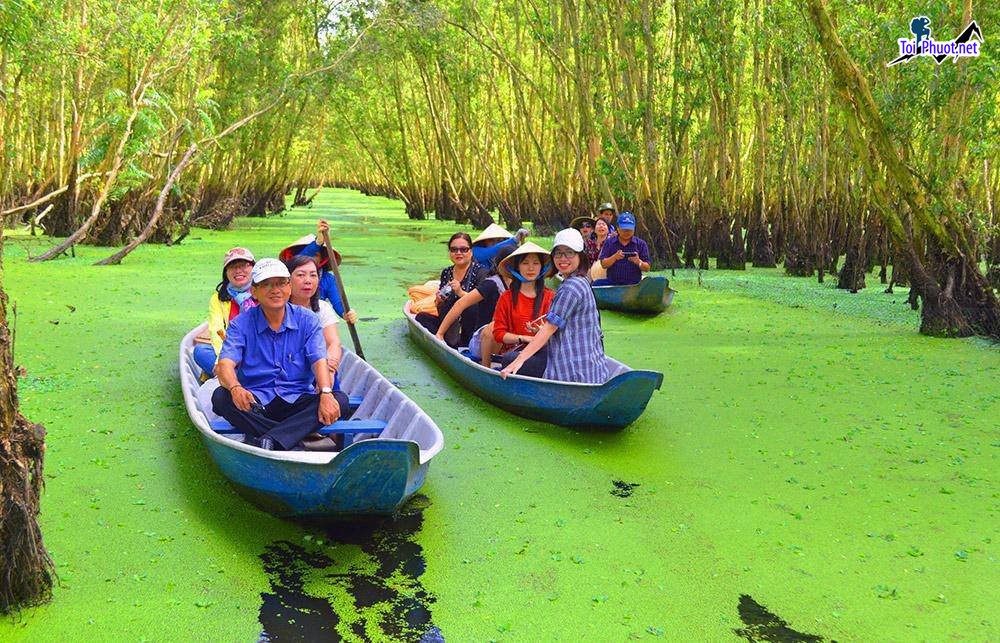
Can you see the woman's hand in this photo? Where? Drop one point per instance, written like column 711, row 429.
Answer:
column 333, row 362
column 439, row 335
column 512, row 368
column 351, row 317
column 456, row 287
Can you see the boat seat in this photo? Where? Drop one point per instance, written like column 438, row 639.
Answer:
column 346, row 427
column 353, row 427
column 225, row 428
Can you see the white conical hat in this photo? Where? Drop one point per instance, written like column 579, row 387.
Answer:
column 492, row 231
column 528, row 248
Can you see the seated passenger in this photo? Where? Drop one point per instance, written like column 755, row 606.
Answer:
column 312, row 245
column 572, row 328
column 606, row 213
column 601, row 234
column 486, row 295
column 489, row 242
column 231, row 297
column 625, row 257
column 274, row 380
column 586, row 227
column 457, row 281
column 305, row 292
column 520, row 310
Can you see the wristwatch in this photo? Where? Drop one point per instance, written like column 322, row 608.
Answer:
column 326, row 389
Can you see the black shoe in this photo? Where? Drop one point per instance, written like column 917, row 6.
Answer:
column 261, row 443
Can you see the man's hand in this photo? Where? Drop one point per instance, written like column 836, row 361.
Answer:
column 333, row 363
column 322, row 228
column 618, row 256
column 329, row 410
column 636, row 260
column 351, row 317
column 242, row 398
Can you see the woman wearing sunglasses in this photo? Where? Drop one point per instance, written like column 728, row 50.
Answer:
column 457, row 280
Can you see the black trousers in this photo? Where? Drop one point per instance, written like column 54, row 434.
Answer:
column 534, row 366
column 284, row 423
column 460, row 333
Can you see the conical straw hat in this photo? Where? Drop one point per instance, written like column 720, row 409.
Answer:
column 492, row 231
column 527, row 249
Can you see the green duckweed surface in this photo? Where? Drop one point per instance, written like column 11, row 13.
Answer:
column 809, row 452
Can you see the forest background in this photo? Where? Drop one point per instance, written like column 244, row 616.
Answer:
column 731, row 129
column 759, row 132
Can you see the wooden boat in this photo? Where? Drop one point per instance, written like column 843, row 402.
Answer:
column 369, row 477
column 606, row 407
column 651, row 295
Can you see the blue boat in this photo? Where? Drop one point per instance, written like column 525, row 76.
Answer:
column 603, row 407
column 390, row 444
column 651, row 295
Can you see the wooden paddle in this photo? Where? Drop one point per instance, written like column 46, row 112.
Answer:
column 343, row 293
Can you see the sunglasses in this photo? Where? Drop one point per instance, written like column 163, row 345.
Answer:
column 461, row 250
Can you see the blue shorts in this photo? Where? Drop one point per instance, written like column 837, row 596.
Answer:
column 475, row 343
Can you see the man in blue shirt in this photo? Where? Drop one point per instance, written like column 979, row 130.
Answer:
column 274, row 383
column 625, row 257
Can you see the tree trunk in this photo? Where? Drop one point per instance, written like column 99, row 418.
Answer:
column 26, row 571
column 957, row 300
column 852, row 275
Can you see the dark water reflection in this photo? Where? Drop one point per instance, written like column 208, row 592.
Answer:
column 761, row 624
column 329, row 590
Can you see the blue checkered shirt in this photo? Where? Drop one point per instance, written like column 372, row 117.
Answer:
column 576, row 351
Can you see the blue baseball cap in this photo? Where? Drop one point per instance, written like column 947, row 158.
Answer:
column 626, row 221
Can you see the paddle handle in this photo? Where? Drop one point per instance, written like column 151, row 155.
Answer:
column 343, row 294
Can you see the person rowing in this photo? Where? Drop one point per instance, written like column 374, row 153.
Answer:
column 312, row 245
